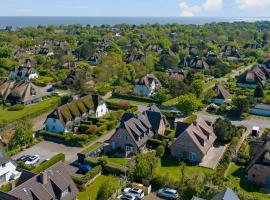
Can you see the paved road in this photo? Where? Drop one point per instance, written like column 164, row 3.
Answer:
column 247, row 123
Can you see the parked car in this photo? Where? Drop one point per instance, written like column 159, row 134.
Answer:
column 84, row 168
column 32, row 160
column 138, row 193
column 126, row 197
column 23, row 158
column 168, row 193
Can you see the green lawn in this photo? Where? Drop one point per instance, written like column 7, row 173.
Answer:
column 121, row 161
column 170, row 166
column 10, row 116
column 171, row 102
column 91, row 191
column 236, row 178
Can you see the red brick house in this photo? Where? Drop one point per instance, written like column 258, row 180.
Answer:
column 192, row 141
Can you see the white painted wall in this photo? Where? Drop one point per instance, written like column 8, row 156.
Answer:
column 101, row 110
column 9, row 171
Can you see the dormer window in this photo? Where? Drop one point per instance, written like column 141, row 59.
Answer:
column 65, row 191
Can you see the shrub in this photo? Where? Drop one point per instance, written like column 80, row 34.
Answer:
column 113, row 168
column 92, row 129
column 49, row 163
column 102, row 129
column 84, row 128
column 22, row 165
column 16, row 107
column 154, row 142
column 160, row 150
column 81, row 181
column 53, row 135
column 91, row 161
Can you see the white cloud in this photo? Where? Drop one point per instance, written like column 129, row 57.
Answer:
column 252, row 4
column 209, row 5
column 188, row 11
column 23, row 10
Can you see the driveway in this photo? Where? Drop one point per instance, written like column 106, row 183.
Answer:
column 212, row 158
column 47, row 149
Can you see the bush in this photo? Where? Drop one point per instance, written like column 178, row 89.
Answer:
column 81, row 181
column 84, row 128
column 113, row 168
column 91, row 161
column 53, row 135
column 154, row 142
column 49, row 163
column 22, row 165
column 16, row 107
column 92, row 129
column 160, row 150
column 102, row 129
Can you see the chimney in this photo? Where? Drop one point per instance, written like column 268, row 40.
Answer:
column 13, row 185
column 44, row 177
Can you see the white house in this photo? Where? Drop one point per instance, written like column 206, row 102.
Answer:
column 63, row 118
column 147, row 85
column 7, row 169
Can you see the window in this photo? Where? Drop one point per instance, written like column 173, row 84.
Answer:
column 53, row 128
column 54, row 120
column 65, row 192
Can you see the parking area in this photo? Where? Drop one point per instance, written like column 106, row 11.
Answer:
column 152, row 196
column 47, row 149
column 213, row 157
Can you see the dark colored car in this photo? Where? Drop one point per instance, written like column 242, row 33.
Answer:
column 84, row 168
column 23, row 158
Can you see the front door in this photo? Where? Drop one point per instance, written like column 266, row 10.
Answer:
column 268, row 182
column 192, row 156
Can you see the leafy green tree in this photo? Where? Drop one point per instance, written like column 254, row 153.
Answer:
column 145, row 165
column 6, row 52
column 187, row 104
column 160, row 150
column 108, row 188
column 258, row 92
column 23, row 136
column 224, row 130
column 161, row 96
column 240, row 106
column 197, row 87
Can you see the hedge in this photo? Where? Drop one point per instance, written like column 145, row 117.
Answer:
column 82, row 181
column 91, row 161
column 113, row 168
column 49, row 163
column 54, row 135
column 154, row 142
column 134, row 98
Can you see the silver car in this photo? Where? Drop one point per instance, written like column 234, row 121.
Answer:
column 168, row 193
column 138, row 193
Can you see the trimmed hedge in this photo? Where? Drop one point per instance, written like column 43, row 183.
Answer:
column 154, row 142
column 92, row 161
column 113, row 168
column 44, row 133
column 134, row 98
column 49, row 163
column 82, row 181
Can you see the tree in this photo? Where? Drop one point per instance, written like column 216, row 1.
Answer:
column 6, row 52
column 210, row 94
column 197, row 87
column 224, row 130
column 22, row 136
column 178, row 88
column 145, row 165
column 161, row 96
column 240, row 106
column 187, row 104
column 108, row 188
column 258, row 92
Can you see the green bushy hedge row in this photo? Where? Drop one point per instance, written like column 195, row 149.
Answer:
column 82, row 181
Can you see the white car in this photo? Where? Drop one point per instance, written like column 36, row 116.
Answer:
column 138, row 193
column 126, row 197
column 32, row 160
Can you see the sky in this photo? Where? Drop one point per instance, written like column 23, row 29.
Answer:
column 136, row 8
